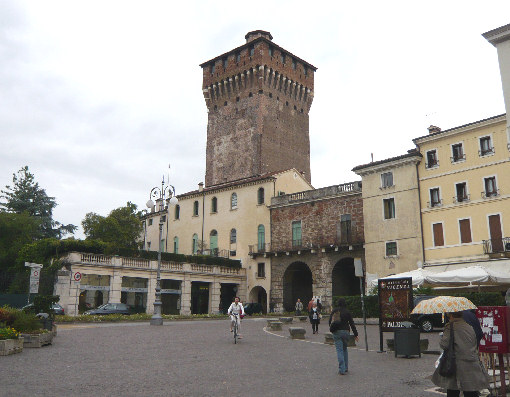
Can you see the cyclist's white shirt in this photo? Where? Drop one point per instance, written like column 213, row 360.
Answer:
column 236, row 309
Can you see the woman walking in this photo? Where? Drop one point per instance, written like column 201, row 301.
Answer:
column 470, row 375
column 314, row 316
column 340, row 321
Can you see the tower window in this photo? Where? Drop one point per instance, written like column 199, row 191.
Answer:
column 233, row 201
column 389, row 208
column 286, row 103
column 238, row 57
column 250, row 94
column 270, row 95
column 270, row 51
column 293, row 64
column 177, row 212
column 214, row 205
column 295, row 107
column 225, row 103
column 233, row 236
column 237, row 99
column 225, row 63
column 391, row 248
column 252, row 50
column 260, row 196
column 195, row 208
column 282, row 58
column 305, row 70
column 213, row 68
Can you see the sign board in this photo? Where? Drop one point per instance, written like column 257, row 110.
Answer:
column 35, row 273
column 495, row 323
column 358, row 267
column 77, row 276
column 395, row 302
column 84, row 287
column 133, row 289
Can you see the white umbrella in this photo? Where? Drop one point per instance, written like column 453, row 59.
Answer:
column 472, row 274
column 417, row 275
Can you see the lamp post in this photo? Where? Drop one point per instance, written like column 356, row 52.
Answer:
column 160, row 195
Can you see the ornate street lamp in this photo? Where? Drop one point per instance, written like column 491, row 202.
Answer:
column 166, row 191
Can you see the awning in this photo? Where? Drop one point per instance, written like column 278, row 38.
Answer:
column 417, row 275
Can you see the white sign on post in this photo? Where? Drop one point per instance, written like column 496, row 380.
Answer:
column 358, row 267
column 35, row 273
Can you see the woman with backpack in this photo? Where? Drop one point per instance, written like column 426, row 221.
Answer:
column 340, row 321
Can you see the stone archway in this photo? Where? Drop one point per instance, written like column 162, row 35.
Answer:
column 258, row 294
column 297, row 283
column 344, row 281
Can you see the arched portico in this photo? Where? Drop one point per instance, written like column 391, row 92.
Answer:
column 297, row 283
column 258, row 294
column 344, row 281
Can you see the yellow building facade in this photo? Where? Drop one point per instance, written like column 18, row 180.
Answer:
column 464, row 182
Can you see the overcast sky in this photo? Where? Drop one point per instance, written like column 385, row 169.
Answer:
column 98, row 97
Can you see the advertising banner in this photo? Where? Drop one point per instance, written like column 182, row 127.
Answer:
column 395, row 302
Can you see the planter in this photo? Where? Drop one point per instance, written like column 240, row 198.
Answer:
column 37, row 340
column 11, row 346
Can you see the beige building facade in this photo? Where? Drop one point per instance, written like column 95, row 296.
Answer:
column 464, row 187
column 225, row 220
column 391, row 213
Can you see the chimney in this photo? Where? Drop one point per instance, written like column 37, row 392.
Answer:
column 250, row 36
column 201, row 186
column 433, row 129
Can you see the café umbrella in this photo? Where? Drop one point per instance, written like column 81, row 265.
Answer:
column 443, row 304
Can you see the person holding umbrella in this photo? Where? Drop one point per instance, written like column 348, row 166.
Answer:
column 470, row 375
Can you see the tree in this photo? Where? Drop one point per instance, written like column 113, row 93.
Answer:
column 26, row 196
column 121, row 228
column 16, row 230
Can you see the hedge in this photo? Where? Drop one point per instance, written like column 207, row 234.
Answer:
column 372, row 302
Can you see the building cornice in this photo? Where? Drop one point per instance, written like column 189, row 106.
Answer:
column 388, row 164
column 497, row 35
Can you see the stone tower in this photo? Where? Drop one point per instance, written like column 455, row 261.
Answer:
column 258, row 97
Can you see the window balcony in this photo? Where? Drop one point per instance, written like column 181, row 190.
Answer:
column 432, row 164
column 486, row 152
column 461, row 199
column 490, row 193
column 456, row 159
column 433, row 204
column 497, row 246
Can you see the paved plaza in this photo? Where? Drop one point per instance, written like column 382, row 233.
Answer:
column 199, row 358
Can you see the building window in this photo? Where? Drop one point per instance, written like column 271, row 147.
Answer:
column 238, row 57
column 431, row 159
column 261, row 270
column 437, row 230
column 214, row 205
column 389, row 208
column 162, row 245
column 435, row 199
column 233, row 236
column 213, row 242
column 391, row 248
column 194, row 244
column 387, row 179
column 457, row 153
column 225, row 62
column 233, row 201
column 260, row 196
column 149, row 245
column 465, row 231
column 282, row 58
column 345, row 228
column 461, row 192
column 491, row 189
column 177, row 213
column 195, row 208
column 305, row 70
column 150, row 222
column 293, row 64
column 213, row 68
column 252, row 50
column 270, row 51
column 486, row 146
column 176, row 245
column 261, row 237
column 296, row 234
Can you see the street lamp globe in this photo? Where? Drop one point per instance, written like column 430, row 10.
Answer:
column 173, row 200
column 149, row 204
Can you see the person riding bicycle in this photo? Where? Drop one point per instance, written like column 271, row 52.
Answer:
column 236, row 308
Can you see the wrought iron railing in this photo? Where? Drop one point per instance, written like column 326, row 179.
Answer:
column 461, row 199
column 490, row 193
column 496, row 245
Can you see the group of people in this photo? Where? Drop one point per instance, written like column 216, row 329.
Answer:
column 314, row 312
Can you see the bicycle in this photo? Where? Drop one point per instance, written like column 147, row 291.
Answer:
column 235, row 327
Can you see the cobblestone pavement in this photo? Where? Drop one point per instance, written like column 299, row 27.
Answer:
column 199, row 358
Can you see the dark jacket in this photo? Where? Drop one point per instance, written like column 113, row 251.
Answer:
column 310, row 315
column 345, row 322
column 469, row 317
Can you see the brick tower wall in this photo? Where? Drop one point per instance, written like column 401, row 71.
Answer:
column 258, row 111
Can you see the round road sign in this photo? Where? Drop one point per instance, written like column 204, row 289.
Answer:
column 77, row 276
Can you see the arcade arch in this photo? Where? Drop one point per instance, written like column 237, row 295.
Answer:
column 344, row 281
column 297, row 283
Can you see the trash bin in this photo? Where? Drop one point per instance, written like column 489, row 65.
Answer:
column 407, row 342
column 45, row 320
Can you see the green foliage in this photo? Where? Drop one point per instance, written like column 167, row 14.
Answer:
column 16, row 230
column 7, row 316
column 423, row 291
column 8, row 333
column 26, row 322
column 483, row 298
column 26, row 196
column 121, row 228
column 354, row 305
column 43, row 304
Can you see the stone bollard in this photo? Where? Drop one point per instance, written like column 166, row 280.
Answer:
column 276, row 326
column 297, row 333
column 286, row 320
column 328, row 338
column 303, row 319
column 271, row 320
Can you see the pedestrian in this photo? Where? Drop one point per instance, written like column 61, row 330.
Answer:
column 340, row 321
column 319, row 304
column 469, row 317
column 310, row 304
column 470, row 375
column 299, row 307
column 315, row 318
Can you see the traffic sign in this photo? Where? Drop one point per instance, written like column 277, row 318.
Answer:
column 77, row 276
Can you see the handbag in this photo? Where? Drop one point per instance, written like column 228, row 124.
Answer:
column 447, row 366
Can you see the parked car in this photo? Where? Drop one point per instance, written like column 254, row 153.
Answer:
column 254, row 307
column 426, row 322
column 110, row 308
column 56, row 308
